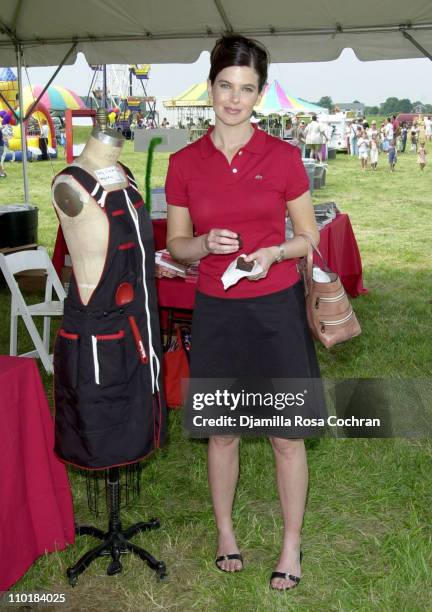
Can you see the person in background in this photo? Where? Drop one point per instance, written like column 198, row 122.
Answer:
column 140, row 120
column 428, row 128
column 314, row 138
column 414, row 136
column 43, row 139
column 62, row 141
column 372, row 132
column 404, row 136
column 165, row 123
column 392, row 154
column 7, row 135
column 388, row 130
column 288, row 132
column 353, row 138
column 383, row 139
column 421, row 136
column 421, row 156
column 132, row 126
column 347, row 136
column 396, row 126
column 374, row 152
column 363, row 148
column 301, row 138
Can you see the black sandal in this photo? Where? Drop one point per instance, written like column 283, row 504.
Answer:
column 237, row 556
column 285, row 576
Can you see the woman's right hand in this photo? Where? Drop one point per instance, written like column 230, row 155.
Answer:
column 221, row 242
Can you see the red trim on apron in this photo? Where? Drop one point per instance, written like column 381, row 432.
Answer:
column 67, row 335
column 126, row 245
column 116, row 336
column 138, row 340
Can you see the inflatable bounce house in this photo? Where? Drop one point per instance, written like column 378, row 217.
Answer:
column 9, row 89
column 55, row 98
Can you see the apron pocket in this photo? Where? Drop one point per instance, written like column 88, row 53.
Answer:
column 109, row 359
column 67, row 358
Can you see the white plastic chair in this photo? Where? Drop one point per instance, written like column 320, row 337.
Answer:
column 33, row 260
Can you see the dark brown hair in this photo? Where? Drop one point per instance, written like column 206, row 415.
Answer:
column 237, row 50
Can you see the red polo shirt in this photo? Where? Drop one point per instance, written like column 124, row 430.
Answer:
column 247, row 196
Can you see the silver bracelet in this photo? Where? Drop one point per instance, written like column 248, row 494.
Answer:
column 281, row 255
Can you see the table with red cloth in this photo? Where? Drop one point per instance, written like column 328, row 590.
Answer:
column 36, row 510
column 338, row 246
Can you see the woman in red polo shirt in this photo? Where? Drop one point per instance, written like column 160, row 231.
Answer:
column 228, row 193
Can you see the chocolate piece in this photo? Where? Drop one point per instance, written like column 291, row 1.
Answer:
column 246, row 266
column 240, row 241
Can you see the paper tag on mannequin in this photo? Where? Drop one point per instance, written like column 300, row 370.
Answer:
column 109, row 176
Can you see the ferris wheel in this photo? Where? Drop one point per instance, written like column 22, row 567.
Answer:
column 126, row 86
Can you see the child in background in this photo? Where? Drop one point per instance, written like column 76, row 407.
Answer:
column 7, row 135
column 374, row 151
column 421, row 156
column 392, row 154
column 363, row 149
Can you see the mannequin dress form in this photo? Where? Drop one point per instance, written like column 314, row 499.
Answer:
column 109, row 405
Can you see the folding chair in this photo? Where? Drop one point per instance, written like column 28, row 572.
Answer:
column 32, row 260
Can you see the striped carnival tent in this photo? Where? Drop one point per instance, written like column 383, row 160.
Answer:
column 276, row 100
column 55, row 98
column 194, row 96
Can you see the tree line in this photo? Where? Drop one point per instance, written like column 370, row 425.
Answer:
column 391, row 106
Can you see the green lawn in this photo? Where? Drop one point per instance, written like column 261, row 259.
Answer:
column 366, row 536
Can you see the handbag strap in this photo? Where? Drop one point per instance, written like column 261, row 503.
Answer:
column 308, row 262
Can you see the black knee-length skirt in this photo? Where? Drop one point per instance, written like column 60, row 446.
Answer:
column 266, row 336
column 264, row 347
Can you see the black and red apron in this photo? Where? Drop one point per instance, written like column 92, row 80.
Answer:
column 109, row 404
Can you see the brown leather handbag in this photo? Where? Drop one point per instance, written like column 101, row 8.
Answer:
column 330, row 315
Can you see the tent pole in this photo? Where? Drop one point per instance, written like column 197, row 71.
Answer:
column 18, row 50
column 104, row 87
column 416, row 44
column 36, row 102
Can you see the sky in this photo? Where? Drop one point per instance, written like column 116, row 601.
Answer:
column 344, row 80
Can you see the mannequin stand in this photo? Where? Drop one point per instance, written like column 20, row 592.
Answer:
column 115, row 541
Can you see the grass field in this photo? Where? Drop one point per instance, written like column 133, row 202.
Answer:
column 366, row 535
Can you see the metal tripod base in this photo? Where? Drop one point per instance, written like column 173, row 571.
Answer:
column 115, row 542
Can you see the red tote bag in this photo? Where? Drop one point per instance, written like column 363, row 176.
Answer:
column 176, row 367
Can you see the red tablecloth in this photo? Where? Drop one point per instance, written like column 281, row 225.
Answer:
column 337, row 245
column 36, row 511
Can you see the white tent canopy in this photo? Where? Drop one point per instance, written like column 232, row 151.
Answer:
column 158, row 31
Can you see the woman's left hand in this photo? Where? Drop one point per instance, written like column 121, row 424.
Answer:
column 265, row 257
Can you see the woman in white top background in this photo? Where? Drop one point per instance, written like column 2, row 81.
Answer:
column 374, row 151
column 363, row 149
column 314, row 138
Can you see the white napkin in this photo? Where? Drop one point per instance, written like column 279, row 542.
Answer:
column 232, row 275
column 320, row 276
